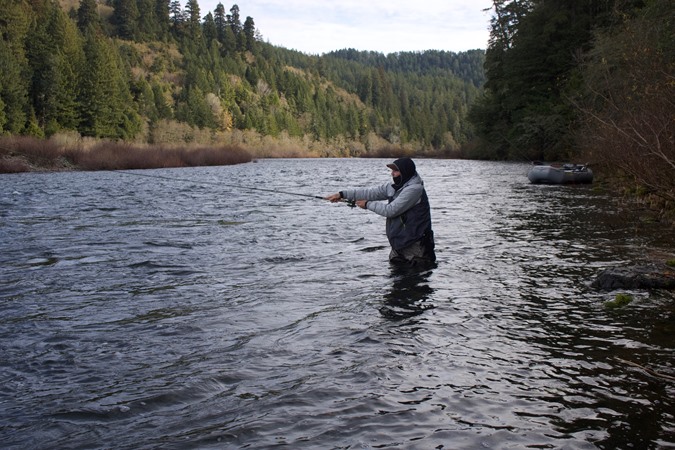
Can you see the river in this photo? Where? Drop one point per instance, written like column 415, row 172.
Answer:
column 171, row 309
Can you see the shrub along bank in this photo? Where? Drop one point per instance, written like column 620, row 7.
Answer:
column 25, row 154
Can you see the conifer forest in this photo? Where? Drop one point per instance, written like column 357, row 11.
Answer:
column 591, row 79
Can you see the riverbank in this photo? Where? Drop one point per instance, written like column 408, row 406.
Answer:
column 651, row 206
column 70, row 152
column 26, row 154
column 64, row 153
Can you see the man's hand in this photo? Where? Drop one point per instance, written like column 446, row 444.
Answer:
column 333, row 198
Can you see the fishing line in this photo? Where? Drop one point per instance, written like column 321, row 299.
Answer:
column 275, row 191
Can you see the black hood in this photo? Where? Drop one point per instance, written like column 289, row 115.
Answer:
column 407, row 168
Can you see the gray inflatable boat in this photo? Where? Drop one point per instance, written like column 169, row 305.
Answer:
column 562, row 174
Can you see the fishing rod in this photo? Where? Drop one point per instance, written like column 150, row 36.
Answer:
column 351, row 203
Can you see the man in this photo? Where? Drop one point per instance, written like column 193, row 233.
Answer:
column 407, row 212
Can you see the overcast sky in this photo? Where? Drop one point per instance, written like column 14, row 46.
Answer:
column 387, row 26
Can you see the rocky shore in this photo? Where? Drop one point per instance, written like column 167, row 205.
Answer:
column 643, row 276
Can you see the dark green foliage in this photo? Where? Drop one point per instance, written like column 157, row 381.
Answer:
column 125, row 18
column 249, row 35
column 176, row 18
column 106, row 106
column 619, row 301
column 148, row 25
column 155, row 61
column 15, row 21
column 220, row 21
column 467, row 66
column 163, row 109
column 209, row 28
column 414, row 96
column 87, row 15
column 13, row 90
column 161, row 20
column 532, row 67
column 193, row 20
column 55, row 54
column 233, row 20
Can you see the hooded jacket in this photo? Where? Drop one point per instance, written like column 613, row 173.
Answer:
column 407, row 210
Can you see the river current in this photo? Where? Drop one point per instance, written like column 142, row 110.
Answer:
column 170, row 309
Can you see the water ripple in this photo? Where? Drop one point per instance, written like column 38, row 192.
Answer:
column 140, row 314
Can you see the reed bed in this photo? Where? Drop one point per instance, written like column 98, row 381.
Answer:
column 24, row 154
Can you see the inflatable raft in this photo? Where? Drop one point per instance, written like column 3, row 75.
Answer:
column 563, row 174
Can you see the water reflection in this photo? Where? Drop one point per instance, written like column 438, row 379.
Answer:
column 409, row 294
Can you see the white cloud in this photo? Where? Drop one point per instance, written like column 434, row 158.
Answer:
column 380, row 25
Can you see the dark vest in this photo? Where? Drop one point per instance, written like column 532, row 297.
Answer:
column 410, row 226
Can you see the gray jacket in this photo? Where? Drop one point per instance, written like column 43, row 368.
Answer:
column 407, row 211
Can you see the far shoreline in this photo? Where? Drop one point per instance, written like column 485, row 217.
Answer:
column 19, row 154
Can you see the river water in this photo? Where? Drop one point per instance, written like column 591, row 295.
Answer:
column 169, row 309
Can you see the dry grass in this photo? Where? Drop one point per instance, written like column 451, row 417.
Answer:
column 23, row 154
column 196, row 147
column 113, row 155
column 9, row 165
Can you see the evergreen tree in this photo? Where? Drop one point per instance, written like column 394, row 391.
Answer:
column 125, row 18
column 193, row 19
column 249, row 35
column 234, row 21
column 55, row 79
column 144, row 96
column 148, row 25
column 194, row 109
column 87, row 15
column 14, row 70
column 3, row 115
column 107, row 109
column 220, row 20
column 529, row 60
column 229, row 42
column 13, row 91
column 177, row 18
column 209, row 29
column 54, row 51
column 161, row 104
column 62, row 106
column 162, row 18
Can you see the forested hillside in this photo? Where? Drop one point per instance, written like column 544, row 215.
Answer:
column 584, row 80
column 152, row 71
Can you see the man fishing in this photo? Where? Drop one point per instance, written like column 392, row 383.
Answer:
column 407, row 212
